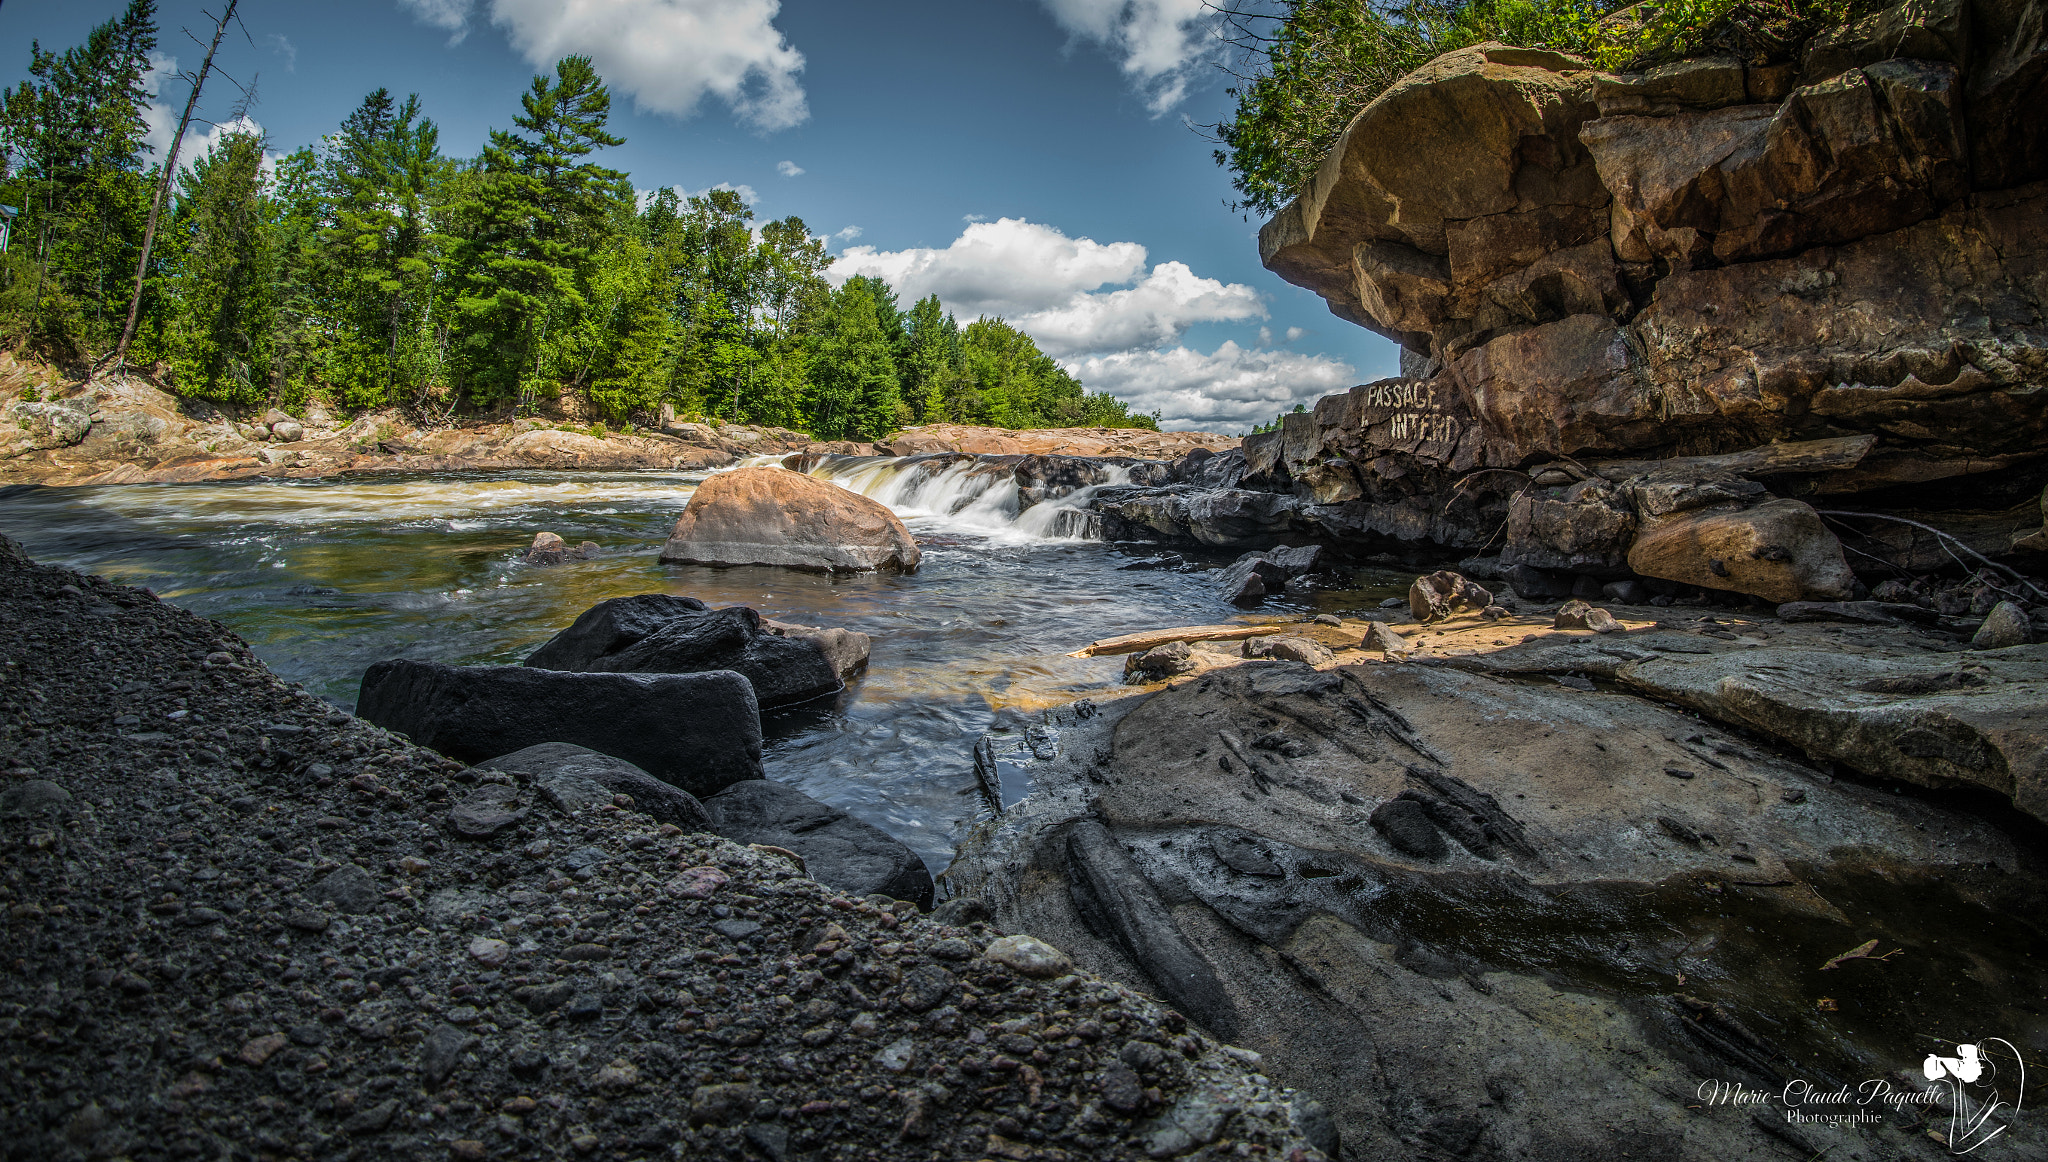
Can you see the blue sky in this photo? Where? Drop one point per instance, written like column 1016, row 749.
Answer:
column 1028, row 158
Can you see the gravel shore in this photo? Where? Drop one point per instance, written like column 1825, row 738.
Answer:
column 241, row 924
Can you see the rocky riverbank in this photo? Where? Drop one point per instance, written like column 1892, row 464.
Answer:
column 1498, row 889
column 128, row 430
column 243, row 924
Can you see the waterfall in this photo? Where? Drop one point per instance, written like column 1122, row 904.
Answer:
column 1011, row 499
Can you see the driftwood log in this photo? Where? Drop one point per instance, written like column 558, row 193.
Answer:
column 1131, row 643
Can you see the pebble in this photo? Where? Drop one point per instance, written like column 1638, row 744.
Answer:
column 489, row 952
column 1028, row 956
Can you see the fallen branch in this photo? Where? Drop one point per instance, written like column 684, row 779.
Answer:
column 1131, row 643
column 1946, row 538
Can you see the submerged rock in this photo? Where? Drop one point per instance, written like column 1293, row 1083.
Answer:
column 772, row 516
column 700, row 732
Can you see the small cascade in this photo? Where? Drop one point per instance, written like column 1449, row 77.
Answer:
column 1013, row 499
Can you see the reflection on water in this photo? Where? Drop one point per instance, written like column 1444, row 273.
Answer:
column 325, row 577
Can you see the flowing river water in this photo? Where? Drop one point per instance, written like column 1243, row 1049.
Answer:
column 325, row 577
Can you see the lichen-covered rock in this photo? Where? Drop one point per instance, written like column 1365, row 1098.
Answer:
column 58, row 424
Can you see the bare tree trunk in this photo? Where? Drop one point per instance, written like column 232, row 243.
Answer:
column 163, row 186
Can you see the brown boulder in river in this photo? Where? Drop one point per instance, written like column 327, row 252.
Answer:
column 772, row 516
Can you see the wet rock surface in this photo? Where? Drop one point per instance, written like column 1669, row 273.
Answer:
column 700, row 732
column 1453, row 905
column 654, row 633
column 250, row 930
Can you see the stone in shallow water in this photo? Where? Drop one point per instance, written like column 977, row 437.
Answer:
column 772, row 516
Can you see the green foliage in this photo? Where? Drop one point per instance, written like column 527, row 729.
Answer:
column 529, row 233
column 71, row 159
column 374, row 270
column 1262, row 429
column 1307, row 67
column 223, row 299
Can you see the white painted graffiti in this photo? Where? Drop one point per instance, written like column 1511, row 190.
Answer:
column 1401, row 393
column 1403, row 427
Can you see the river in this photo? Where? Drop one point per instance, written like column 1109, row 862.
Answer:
column 325, row 577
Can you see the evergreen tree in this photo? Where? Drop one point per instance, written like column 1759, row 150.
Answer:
column 223, row 308
column 384, row 169
column 930, row 367
column 531, row 229
column 71, row 146
column 854, row 394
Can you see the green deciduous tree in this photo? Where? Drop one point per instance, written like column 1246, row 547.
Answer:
column 529, row 233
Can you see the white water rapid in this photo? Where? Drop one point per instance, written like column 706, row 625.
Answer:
column 979, row 496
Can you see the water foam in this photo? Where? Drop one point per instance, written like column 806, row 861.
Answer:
column 979, row 496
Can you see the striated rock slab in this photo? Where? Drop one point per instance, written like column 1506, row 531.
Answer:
column 1972, row 720
column 1451, row 905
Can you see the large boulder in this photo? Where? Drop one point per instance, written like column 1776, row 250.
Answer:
column 700, row 732
column 58, row 424
column 1584, row 528
column 784, row 670
column 1778, row 550
column 772, row 516
column 838, row 850
column 610, row 626
column 551, row 763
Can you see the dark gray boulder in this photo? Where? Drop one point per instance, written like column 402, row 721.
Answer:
column 838, row 850
column 610, row 626
column 650, row 795
column 700, row 732
column 666, row 636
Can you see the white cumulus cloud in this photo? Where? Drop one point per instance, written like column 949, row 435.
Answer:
column 1112, row 318
column 450, row 16
column 1163, row 44
column 667, row 54
column 789, row 169
column 167, row 92
column 849, row 234
column 1227, row 390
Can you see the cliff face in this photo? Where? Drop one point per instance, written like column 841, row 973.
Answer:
column 1703, row 259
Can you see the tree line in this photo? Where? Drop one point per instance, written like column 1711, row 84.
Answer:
column 374, row 269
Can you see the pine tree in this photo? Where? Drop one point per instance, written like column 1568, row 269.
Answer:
column 531, row 227
column 223, row 306
column 930, row 367
column 385, row 168
column 71, row 146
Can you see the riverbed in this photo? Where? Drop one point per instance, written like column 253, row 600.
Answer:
column 325, row 577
